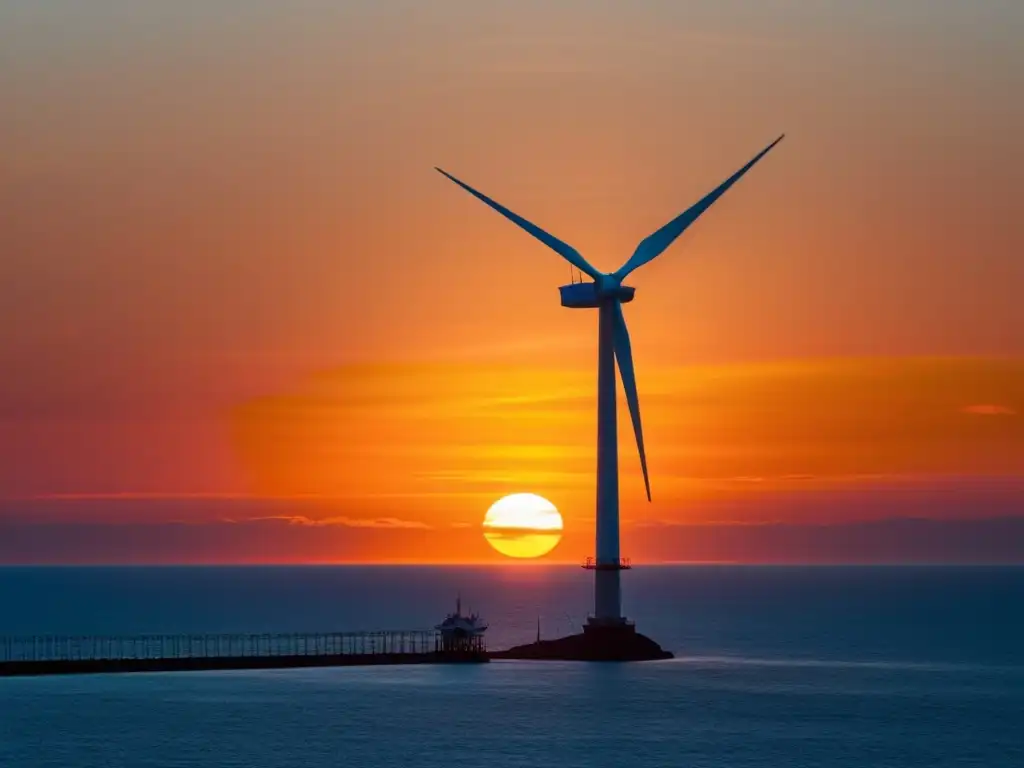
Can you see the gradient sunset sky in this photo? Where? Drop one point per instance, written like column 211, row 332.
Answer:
column 245, row 320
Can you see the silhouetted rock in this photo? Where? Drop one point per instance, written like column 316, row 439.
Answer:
column 619, row 642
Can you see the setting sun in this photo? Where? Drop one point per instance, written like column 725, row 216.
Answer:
column 523, row 525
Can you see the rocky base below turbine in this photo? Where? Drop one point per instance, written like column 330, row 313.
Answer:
column 614, row 642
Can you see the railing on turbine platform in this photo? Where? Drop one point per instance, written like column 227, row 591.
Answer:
column 622, row 564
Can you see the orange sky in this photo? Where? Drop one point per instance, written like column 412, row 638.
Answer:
column 228, row 267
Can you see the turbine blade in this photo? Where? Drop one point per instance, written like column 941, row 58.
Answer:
column 565, row 250
column 655, row 244
column 624, row 357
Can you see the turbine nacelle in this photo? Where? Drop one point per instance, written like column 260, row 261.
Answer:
column 591, row 295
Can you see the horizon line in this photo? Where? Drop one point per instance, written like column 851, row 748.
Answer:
column 524, row 563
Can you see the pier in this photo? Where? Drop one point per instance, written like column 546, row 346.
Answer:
column 54, row 655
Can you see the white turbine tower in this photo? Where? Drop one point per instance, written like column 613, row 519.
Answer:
column 607, row 294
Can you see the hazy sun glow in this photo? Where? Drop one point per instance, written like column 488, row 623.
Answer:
column 523, row 525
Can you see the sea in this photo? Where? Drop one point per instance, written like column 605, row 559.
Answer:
column 776, row 667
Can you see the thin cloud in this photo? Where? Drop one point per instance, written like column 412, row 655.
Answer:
column 165, row 496
column 710, row 523
column 989, row 410
column 790, row 477
column 520, row 534
column 343, row 522
column 229, row 496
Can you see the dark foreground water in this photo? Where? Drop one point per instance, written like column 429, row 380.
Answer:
column 777, row 667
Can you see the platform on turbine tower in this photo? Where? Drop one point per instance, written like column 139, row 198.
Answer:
column 621, row 564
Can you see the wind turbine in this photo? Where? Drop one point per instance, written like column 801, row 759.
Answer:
column 607, row 294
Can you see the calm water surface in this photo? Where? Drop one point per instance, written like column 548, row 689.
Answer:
column 777, row 667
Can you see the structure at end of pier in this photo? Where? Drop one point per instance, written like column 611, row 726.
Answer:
column 462, row 634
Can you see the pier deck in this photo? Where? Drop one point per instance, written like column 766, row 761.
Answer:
column 54, row 655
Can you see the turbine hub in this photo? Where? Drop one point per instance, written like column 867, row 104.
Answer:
column 607, row 286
